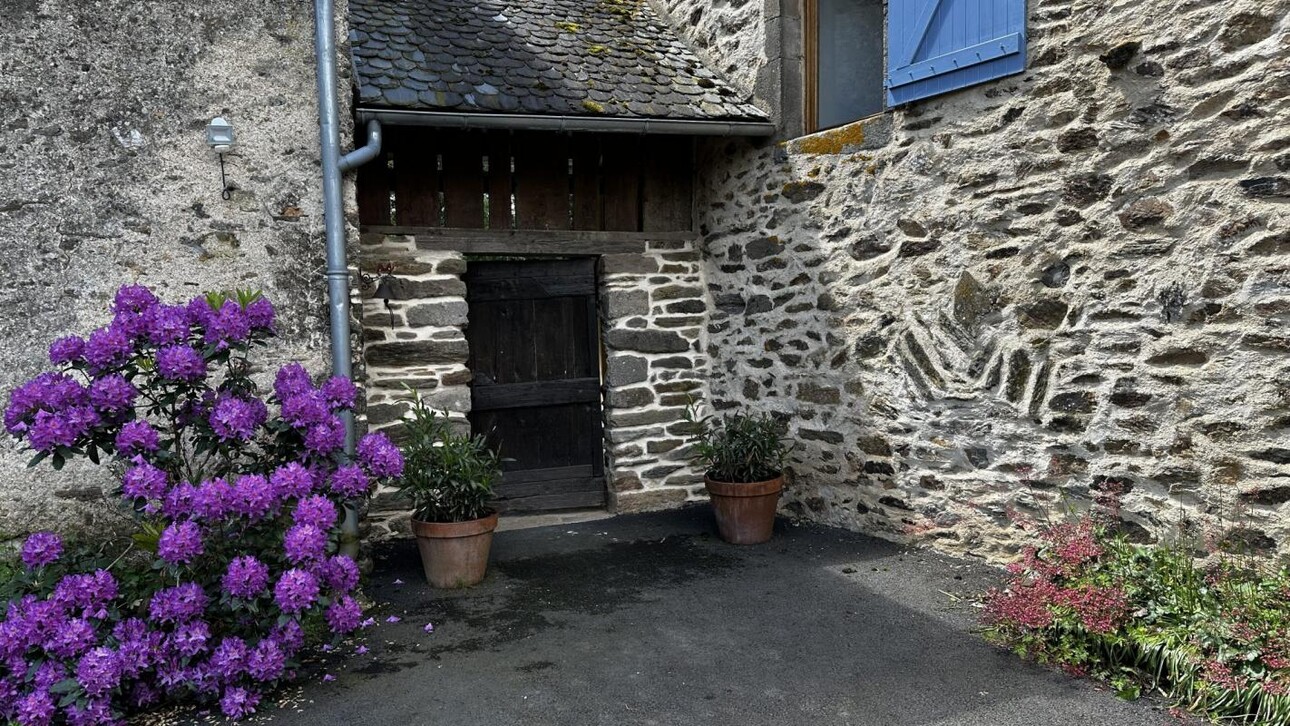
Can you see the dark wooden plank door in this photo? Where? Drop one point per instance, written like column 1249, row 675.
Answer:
column 534, row 353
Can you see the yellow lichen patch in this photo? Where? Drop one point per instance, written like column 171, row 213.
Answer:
column 624, row 9
column 814, row 172
column 597, row 49
column 833, row 141
column 592, row 106
column 568, row 26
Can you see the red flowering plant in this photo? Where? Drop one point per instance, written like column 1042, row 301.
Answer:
column 237, row 495
column 1150, row 618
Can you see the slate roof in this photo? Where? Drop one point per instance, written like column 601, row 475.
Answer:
column 613, row 58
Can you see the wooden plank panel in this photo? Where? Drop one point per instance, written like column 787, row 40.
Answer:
column 668, row 196
column 541, row 181
column 548, row 481
column 537, row 393
column 523, row 242
column 416, row 178
column 595, row 353
column 620, row 174
column 500, row 181
column 545, row 475
column 556, row 356
column 464, row 182
column 570, row 500
column 530, row 288
column 541, row 418
column 481, row 337
column 532, row 270
column 373, row 189
column 511, row 490
column 588, row 211
column 515, row 341
column 558, row 444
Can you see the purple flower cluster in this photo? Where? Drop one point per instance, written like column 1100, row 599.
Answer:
column 296, row 590
column 112, row 394
column 166, row 392
column 380, row 456
column 144, row 481
column 316, row 511
column 246, row 577
column 344, row 615
column 40, row 549
column 304, row 543
column 178, row 604
column 137, row 437
column 180, row 543
column 108, row 348
column 181, row 363
column 50, row 411
column 350, row 481
column 293, row 480
column 237, row 418
column 66, row 350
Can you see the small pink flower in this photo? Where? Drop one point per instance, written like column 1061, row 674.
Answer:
column 328, row 678
column 367, row 623
column 398, row 583
column 360, row 650
column 429, row 628
column 393, row 619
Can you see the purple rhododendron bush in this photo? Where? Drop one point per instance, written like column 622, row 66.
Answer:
column 231, row 574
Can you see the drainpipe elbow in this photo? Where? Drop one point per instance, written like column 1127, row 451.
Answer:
column 366, row 153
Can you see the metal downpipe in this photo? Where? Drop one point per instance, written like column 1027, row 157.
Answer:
column 334, row 219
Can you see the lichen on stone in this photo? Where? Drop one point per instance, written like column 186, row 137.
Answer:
column 833, row 141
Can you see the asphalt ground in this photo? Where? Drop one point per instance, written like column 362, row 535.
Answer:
column 650, row 619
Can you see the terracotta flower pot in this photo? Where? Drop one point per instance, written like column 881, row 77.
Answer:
column 455, row 554
column 745, row 512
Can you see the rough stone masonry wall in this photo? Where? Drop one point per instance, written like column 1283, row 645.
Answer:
column 653, row 308
column 1057, row 282
column 105, row 179
column 418, row 342
column 652, row 322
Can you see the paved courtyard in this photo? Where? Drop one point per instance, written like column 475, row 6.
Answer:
column 650, row 619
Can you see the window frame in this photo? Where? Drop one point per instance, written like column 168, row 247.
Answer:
column 810, row 20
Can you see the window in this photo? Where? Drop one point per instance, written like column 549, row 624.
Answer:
column 844, row 59
column 862, row 56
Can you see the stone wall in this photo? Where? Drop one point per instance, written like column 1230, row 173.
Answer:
column 105, row 179
column 1073, row 279
column 654, row 312
column 417, row 342
column 652, row 326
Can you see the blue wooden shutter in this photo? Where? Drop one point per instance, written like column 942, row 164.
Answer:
column 937, row 46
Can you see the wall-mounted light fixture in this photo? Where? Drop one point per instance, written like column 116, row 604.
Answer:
column 220, row 137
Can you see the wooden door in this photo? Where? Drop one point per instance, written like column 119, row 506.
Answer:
column 535, row 356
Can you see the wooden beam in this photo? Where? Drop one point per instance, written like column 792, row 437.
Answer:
column 811, row 64
column 523, row 241
column 538, row 393
column 587, row 499
column 532, row 288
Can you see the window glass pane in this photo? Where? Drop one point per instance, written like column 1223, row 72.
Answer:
column 850, row 69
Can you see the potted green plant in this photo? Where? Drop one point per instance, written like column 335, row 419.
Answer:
column 449, row 476
column 743, row 458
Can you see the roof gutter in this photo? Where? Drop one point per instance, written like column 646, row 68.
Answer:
column 333, row 166
column 602, row 124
